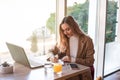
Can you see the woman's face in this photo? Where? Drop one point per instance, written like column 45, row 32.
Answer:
column 67, row 30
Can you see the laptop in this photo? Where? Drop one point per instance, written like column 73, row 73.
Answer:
column 18, row 54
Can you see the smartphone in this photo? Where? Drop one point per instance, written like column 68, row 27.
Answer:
column 74, row 66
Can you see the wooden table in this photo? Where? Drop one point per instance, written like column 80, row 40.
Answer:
column 22, row 72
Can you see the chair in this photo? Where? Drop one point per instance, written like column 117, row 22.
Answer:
column 99, row 78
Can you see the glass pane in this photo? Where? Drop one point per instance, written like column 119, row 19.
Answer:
column 28, row 23
column 112, row 46
column 79, row 10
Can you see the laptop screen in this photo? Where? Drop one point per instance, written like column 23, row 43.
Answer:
column 18, row 54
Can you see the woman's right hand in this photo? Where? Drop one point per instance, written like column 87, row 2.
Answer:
column 66, row 59
column 54, row 59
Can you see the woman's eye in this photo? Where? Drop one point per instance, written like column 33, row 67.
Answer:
column 67, row 29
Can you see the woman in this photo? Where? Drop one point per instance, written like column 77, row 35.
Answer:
column 75, row 44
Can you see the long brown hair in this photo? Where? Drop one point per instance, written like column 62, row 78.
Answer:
column 64, row 40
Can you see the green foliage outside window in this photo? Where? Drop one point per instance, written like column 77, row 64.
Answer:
column 80, row 13
column 111, row 21
column 51, row 23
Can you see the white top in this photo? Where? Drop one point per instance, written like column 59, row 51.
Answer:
column 73, row 41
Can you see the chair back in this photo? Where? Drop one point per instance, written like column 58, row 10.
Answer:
column 99, row 78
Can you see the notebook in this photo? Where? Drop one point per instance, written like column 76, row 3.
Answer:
column 18, row 54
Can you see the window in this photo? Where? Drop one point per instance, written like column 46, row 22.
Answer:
column 112, row 45
column 28, row 23
column 79, row 10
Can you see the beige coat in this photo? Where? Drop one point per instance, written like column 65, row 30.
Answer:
column 85, row 54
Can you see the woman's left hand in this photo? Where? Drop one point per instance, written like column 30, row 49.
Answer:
column 66, row 59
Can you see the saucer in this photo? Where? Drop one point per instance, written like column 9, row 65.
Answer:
column 6, row 70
